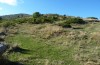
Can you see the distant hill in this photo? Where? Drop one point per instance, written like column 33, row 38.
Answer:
column 14, row 16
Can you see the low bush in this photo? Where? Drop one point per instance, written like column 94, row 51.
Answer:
column 67, row 23
column 38, row 20
column 75, row 20
column 64, row 24
column 21, row 20
column 41, row 20
column 7, row 23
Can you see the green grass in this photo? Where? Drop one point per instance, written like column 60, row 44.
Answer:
column 68, row 47
column 39, row 51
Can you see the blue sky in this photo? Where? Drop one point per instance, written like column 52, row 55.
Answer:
column 82, row 8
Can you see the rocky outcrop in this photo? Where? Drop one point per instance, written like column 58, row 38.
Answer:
column 3, row 48
column 92, row 20
column 3, row 45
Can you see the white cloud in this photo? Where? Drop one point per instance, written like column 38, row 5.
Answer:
column 9, row 2
column 1, row 8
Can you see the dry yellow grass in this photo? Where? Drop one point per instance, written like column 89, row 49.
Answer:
column 80, row 44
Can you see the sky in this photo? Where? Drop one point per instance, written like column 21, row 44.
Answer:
column 82, row 8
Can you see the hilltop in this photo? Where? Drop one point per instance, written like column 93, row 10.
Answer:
column 14, row 16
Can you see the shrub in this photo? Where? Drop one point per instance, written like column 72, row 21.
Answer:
column 37, row 20
column 79, row 21
column 21, row 20
column 47, row 20
column 64, row 24
column 41, row 20
column 7, row 23
column 25, row 20
column 76, row 20
column 69, row 21
column 31, row 20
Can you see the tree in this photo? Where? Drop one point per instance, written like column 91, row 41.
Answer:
column 36, row 15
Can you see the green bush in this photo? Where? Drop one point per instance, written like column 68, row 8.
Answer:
column 76, row 20
column 21, row 20
column 38, row 20
column 7, row 23
column 47, row 20
column 64, row 24
column 69, row 21
column 25, row 20
column 79, row 21
column 41, row 20
column 31, row 20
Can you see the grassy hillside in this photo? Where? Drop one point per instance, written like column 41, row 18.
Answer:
column 14, row 16
column 48, row 44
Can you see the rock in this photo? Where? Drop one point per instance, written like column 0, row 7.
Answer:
column 2, row 36
column 2, row 33
column 3, row 48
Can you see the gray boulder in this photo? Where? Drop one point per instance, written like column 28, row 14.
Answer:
column 3, row 48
